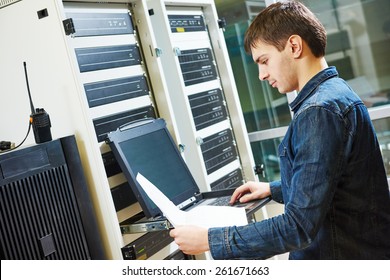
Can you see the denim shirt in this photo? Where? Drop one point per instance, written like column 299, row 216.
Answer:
column 333, row 185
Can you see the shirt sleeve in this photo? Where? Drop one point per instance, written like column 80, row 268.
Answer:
column 276, row 191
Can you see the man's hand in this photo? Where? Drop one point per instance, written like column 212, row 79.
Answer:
column 192, row 240
column 250, row 191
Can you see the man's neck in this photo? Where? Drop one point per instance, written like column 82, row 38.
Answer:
column 310, row 67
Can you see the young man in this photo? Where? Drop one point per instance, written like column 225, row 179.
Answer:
column 333, row 182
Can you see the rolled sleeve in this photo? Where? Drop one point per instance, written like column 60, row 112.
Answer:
column 219, row 243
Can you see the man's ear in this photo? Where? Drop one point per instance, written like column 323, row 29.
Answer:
column 295, row 45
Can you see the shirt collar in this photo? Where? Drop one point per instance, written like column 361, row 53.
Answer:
column 311, row 85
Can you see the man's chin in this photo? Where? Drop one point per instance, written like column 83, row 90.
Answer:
column 282, row 91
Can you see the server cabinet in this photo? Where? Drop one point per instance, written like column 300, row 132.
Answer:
column 114, row 74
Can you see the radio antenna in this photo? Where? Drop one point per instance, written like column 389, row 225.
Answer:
column 28, row 89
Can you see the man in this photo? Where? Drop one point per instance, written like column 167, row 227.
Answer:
column 333, row 182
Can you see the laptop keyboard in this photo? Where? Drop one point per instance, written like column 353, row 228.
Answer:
column 221, row 201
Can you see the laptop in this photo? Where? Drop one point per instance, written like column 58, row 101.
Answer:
column 146, row 146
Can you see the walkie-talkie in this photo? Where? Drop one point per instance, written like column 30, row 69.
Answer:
column 39, row 119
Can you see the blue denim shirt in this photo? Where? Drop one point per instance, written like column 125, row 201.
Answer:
column 333, row 185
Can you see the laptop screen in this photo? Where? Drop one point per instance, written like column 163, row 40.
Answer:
column 147, row 148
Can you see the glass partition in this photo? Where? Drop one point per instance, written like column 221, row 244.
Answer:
column 263, row 106
column 358, row 44
column 266, row 152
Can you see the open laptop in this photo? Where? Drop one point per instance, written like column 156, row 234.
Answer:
column 147, row 147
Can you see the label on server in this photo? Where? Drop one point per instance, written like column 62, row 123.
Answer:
column 232, row 180
column 99, row 58
column 197, row 66
column 98, row 24
column 218, row 150
column 110, row 123
column 208, row 108
column 186, row 23
column 105, row 92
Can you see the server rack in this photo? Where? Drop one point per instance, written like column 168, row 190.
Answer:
column 202, row 92
column 117, row 86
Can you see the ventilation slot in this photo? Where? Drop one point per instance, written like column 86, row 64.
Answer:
column 5, row 3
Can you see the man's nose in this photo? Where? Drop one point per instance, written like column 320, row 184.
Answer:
column 263, row 75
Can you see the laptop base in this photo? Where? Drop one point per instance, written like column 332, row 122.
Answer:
column 139, row 224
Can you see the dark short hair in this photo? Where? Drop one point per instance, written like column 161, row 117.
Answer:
column 276, row 23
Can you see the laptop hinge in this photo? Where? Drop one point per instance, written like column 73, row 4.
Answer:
column 187, row 202
column 198, row 196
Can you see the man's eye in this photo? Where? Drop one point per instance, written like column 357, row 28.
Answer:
column 264, row 61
